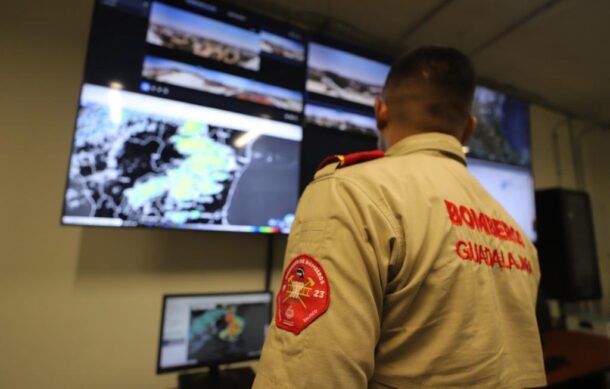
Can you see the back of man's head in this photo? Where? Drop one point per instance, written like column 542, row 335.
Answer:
column 431, row 88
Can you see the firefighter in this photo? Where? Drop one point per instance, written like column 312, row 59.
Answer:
column 401, row 271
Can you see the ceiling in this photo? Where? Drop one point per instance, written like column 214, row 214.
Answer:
column 555, row 53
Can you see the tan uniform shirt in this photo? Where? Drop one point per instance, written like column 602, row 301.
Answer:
column 432, row 283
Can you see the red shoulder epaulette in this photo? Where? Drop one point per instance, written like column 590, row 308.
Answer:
column 351, row 159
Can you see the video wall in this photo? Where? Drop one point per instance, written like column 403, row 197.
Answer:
column 198, row 115
column 499, row 154
column 190, row 117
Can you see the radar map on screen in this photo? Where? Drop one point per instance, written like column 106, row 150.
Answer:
column 214, row 332
column 208, row 330
column 140, row 160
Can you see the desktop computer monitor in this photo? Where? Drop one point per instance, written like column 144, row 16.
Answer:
column 211, row 329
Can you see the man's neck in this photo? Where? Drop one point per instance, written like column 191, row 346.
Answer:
column 398, row 134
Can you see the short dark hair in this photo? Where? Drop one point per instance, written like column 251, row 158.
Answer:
column 446, row 73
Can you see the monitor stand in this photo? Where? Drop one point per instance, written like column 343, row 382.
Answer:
column 215, row 378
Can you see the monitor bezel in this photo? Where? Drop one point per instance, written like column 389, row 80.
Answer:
column 161, row 370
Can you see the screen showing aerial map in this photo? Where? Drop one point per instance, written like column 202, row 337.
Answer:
column 189, row 118
column 208, row 330
column 147, row 161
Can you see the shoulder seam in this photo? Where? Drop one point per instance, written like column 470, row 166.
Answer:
column 393, row 226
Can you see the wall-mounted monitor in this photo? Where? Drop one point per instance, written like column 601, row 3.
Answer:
column 341, row 87
column 212, row 329
column 141, row 160
column 513, row 187
column 223, row 52
column 320, row 142
column 499, row 154
column 502, row 133
column 342, row 83
column 189, row 117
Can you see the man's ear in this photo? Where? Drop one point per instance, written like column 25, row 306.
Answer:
column 469, row 129
column 381, row 113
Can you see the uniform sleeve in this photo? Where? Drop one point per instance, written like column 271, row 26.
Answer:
column 533, row 255
column 352, row 238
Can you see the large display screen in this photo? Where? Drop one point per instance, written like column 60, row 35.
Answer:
column 189, row 117
column 341, row 89
column 500, row 154
column 146, row 161
column 502, row 133
column 319, row 143
column 225, row 54
column 512, row 187
column 208, row 330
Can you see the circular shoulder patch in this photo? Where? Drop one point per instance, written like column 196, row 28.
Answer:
column 304, row 294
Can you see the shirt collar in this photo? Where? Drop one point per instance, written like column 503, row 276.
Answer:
column 435, row 141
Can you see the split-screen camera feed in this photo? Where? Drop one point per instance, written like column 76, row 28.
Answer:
column 341, row 88
column 191, row 116
column 174, row 28
column 212, row 81
column 342, row 75
column 196, row 128
column 341, row 119
column 230, row 54
column 282, row 47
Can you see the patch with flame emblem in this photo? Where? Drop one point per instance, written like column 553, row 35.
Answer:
column 303, row 296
